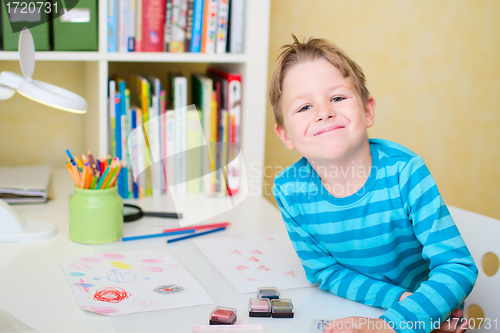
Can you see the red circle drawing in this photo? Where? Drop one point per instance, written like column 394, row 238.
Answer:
column 100, row 309
column 111, row 295
column 113, row 256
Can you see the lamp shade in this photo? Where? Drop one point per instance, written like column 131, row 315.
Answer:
column 53, row 96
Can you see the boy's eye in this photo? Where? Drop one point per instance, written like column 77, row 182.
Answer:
column 337, row 99
column 304, row 108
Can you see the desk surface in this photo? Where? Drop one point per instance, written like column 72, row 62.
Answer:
column 34, row 289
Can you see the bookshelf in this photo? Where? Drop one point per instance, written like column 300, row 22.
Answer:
column 252, row 65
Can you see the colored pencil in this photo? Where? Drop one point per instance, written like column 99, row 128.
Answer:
column 84, row 180
column 99, row 184
column 200, row 227
column 70, row 170
column 117, row 172
column 94, row 181
column 108, row 176
column 69, row 155
column 163, row 234
column 195, row 235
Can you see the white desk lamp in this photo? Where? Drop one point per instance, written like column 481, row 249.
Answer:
column 12, row 227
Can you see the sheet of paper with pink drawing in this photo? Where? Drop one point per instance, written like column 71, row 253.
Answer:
column 132, row 281
column 255, row 261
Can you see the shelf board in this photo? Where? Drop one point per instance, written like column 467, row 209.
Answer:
column 175, row 57
column 55, row 56
column 130, row 57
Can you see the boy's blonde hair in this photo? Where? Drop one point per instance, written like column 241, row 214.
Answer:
column 315, row 48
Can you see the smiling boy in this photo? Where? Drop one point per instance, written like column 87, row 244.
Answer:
column 364, row 216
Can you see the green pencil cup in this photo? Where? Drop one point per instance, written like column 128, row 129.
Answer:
column 95, row 216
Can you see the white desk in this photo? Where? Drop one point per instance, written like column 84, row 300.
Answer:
column 34, row 289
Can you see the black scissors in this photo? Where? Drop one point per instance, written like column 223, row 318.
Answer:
column 133, row 213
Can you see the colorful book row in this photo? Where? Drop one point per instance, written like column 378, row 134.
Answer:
column 168, row 144
column 197, row 26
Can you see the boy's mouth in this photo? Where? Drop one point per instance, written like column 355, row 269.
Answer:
column 329, row 129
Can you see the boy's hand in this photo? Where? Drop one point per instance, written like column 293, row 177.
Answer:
column 455, row 324
column 358, row 325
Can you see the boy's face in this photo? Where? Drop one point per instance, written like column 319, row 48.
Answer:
column 324, row 118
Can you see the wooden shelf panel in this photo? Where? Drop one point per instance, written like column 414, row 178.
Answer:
column 131, row 57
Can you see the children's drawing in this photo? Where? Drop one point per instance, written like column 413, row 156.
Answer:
column 100, row 309
column 256, row 261
column 84, row 286
column 168, row 289
column 119, row 277
column 132, row 281
column 121, row 265
column 111, row 295
column 146, row 302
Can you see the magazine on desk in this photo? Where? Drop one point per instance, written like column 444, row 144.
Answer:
column 25, row 184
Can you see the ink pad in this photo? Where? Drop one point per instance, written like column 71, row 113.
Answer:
column 259, row 307
column 282, row 308
column 223, row 316
column 268, row 292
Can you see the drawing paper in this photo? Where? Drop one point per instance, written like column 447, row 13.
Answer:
column 118, row 283
column 255, row 261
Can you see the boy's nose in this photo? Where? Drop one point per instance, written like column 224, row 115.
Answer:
column 324, row 113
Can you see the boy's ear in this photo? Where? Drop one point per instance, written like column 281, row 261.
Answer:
column 370, row 111
column 283, row 136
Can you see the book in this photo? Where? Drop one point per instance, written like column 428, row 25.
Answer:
column 209, row 27
column 232, row 95
column 189, row 26
column 179, row 12
column 170, row 148
column 163, row 140
column 26, row 184
column 194, row 158
column 153, row 25
column 122, row 21
column 131, row 26
column 133, row 151
column 197, row 26
column 138, row 26
column 202, row 98
column 112, row 117
column 112, row 26
column 168, row 25
column 236, row 26
column 221, row 33
column 154, row 137
column 179, row 95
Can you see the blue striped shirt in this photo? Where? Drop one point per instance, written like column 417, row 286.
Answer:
column 393, row 235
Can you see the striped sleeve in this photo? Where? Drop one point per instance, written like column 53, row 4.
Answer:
column 452, row 269
column 322, row 268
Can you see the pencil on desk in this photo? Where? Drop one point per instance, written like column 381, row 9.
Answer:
column 202, row 226
column 163, row 234
column 195, row 235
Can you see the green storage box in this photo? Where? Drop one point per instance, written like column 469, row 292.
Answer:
column 77, row 29
column 40, row 33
